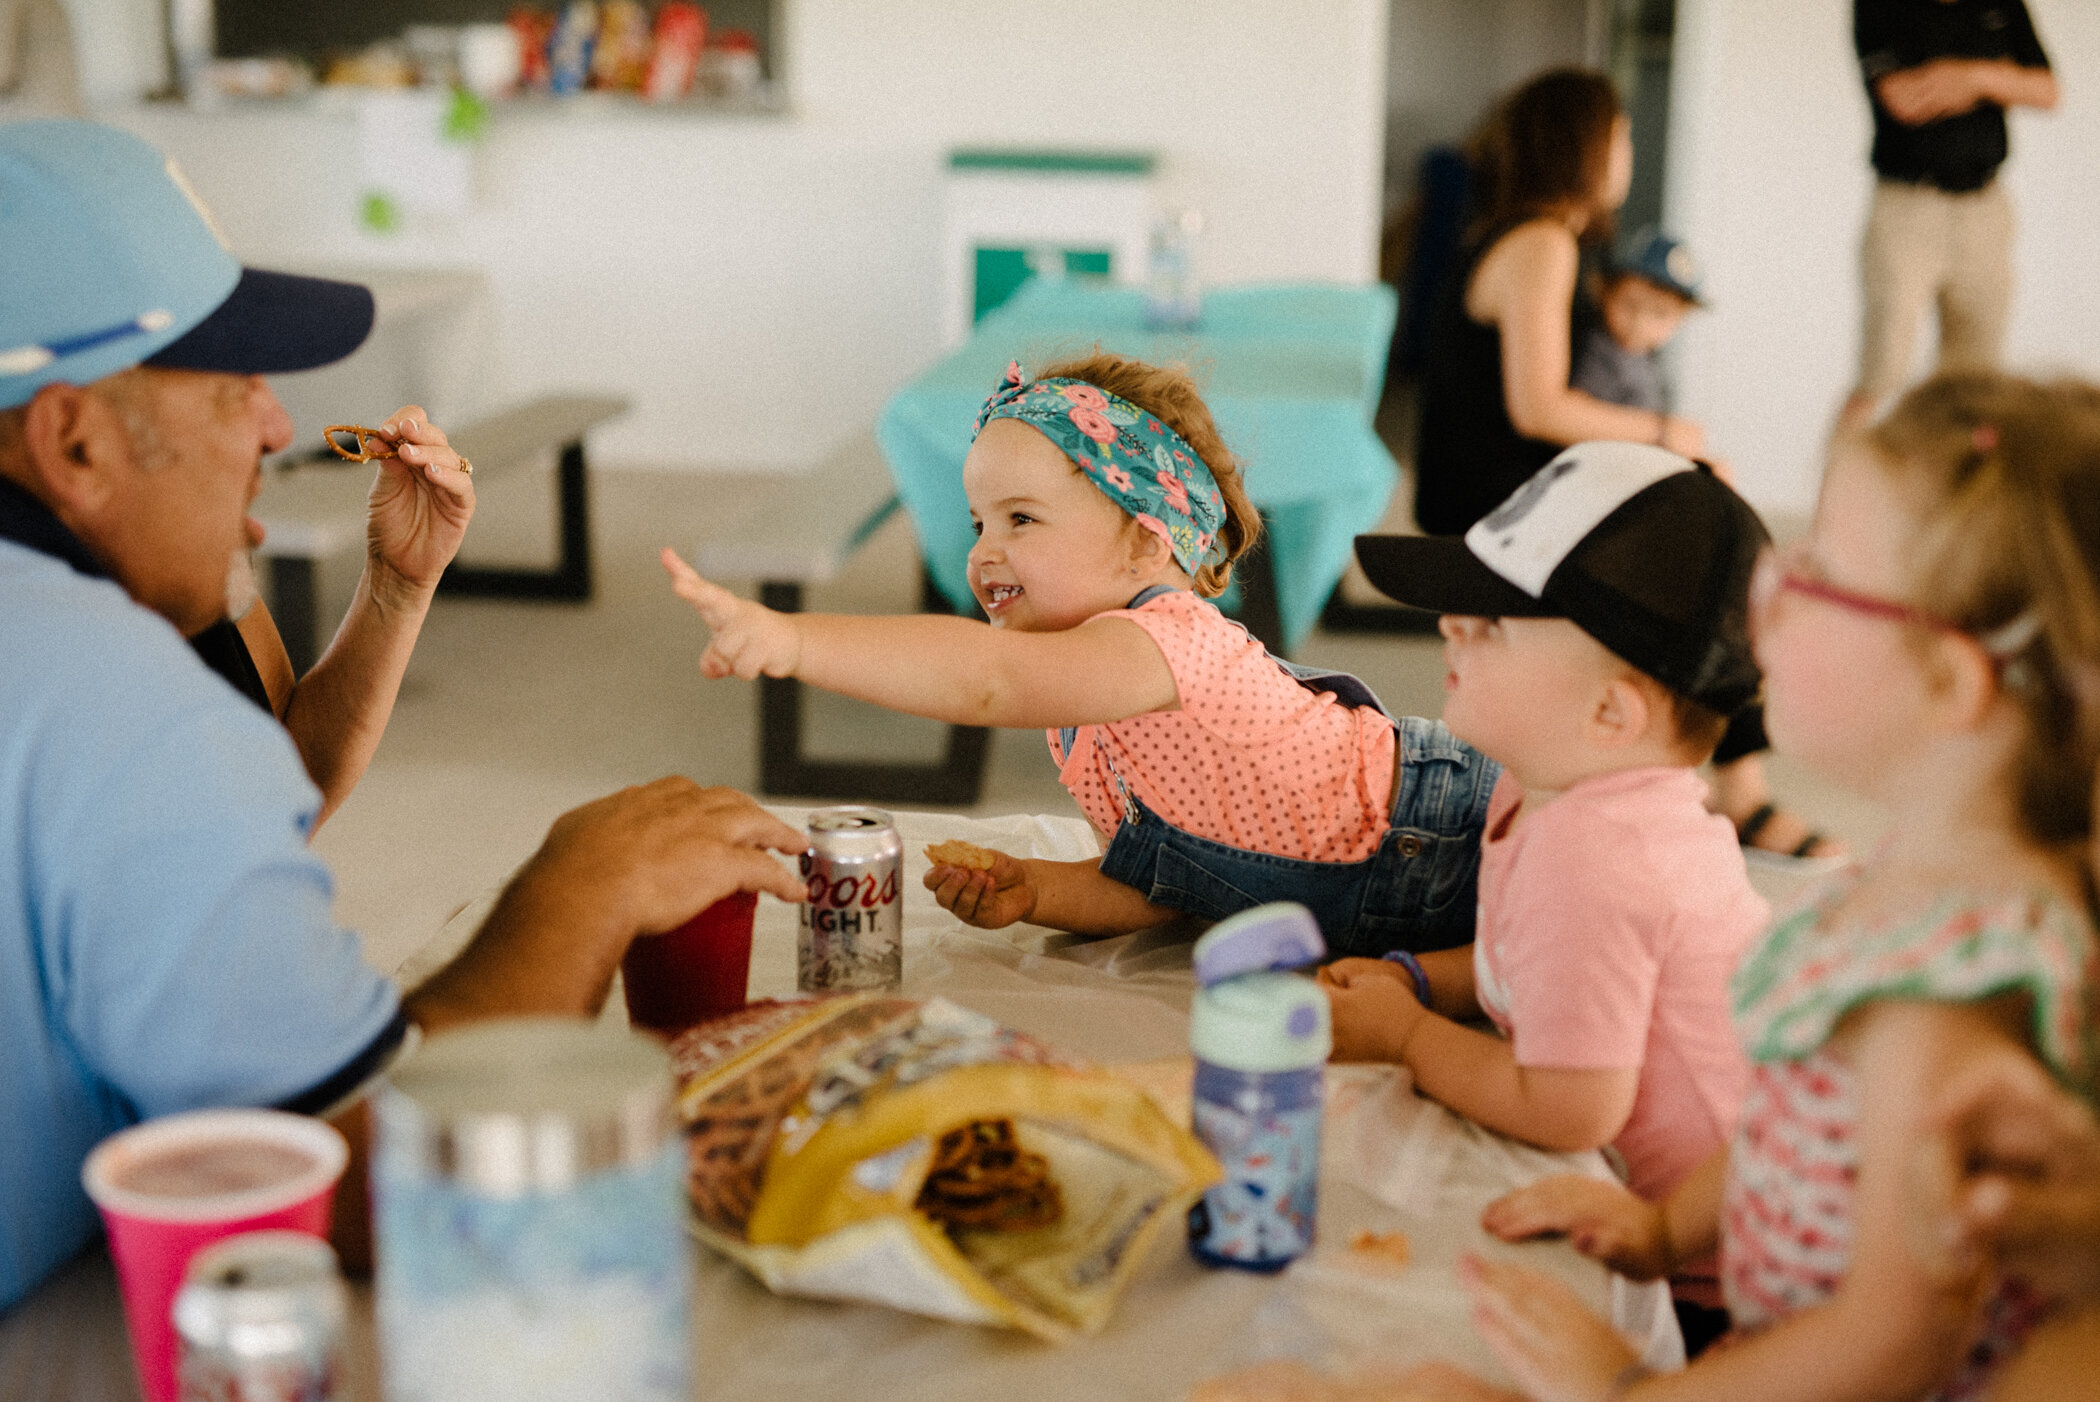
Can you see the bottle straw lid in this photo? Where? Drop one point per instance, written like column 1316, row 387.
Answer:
column 1278, row 936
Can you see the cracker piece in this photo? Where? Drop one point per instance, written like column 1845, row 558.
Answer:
column 957, row 853
column 1386, row 1249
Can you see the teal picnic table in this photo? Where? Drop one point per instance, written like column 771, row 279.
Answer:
column 1292, row 373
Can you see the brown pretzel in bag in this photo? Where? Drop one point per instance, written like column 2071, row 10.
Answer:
column 983, row 1180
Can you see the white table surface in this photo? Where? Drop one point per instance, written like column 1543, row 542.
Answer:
column 1392, row 1162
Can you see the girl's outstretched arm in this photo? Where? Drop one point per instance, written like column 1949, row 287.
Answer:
column 1895, row 1329
column 947, row 669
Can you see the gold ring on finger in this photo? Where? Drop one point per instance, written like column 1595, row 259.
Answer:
column 466, row 467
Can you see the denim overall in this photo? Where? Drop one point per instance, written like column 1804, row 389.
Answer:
column 1417, row 892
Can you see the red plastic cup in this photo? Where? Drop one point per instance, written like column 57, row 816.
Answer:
column 172, row 1186
column 700, row 970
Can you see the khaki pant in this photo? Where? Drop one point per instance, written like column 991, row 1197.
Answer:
column 1926, row 247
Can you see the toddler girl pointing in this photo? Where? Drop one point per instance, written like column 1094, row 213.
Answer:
column 1108, row 511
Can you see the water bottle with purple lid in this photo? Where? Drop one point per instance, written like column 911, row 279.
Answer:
column 1261, row 1035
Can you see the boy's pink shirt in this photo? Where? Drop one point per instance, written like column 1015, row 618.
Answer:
column 1610, row 921
column 1252, row 759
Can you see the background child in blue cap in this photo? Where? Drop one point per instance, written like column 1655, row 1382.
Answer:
column 1647, row 292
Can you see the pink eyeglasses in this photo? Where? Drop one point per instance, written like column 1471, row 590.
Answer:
column 1777, row 572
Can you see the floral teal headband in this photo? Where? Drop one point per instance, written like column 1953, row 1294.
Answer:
column 1138, row 462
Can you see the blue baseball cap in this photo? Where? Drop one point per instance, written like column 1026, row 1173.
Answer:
column 108, row 260
column 1664, row 261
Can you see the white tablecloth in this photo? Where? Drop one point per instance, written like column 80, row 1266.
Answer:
column 1392, row 1162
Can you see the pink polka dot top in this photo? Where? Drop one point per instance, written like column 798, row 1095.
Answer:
column 1251, row 759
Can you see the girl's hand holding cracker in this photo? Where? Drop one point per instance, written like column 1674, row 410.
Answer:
column 750, row 640
column 979, row 886
column 1601, row 1220
column 1374, row 1008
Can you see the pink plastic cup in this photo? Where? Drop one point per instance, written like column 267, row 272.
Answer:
column 700, row 970
column 172, row 1186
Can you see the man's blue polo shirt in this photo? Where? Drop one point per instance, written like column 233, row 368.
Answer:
column 166, row 941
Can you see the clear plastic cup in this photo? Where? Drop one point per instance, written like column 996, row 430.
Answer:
column 700, row 970
column 172, row 1186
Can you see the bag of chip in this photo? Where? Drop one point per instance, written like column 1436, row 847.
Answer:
column 922, row 1156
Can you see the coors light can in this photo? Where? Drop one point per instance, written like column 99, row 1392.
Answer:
column 853, row 924
column 261, row 1320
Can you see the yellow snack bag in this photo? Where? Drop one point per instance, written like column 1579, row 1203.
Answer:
column 923, row 1156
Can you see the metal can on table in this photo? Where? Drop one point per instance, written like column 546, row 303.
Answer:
column 529, row 1205
column 852, row 927
column 260, row 1317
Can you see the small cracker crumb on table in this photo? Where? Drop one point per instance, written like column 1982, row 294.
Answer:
column 1384, row 1249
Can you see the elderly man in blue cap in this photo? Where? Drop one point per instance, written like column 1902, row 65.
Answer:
column 84, row 310
column 166, row 940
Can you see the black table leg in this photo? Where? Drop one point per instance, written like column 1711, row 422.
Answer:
column 295, row 605
column 570, row 579
column 784, row 771
column 1258, row 610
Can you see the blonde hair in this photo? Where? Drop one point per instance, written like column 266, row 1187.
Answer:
column 1168, row 393
column 2005, row 475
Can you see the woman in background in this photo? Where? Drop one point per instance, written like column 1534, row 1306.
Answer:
column 1551, row 167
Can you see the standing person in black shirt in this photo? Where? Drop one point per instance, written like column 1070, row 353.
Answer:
column 1940, row 74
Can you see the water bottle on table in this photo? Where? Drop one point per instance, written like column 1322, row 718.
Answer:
column 1261, row 1035
column 1173, row 297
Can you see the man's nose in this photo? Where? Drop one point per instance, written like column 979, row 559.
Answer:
column 274, row 423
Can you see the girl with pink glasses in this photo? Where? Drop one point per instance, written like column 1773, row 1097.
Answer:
column 1931, row 645
column 1934, row 645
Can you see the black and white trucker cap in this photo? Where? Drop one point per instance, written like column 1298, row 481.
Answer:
column 1646, row 551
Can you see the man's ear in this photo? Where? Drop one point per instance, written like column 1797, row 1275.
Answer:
column 73, row 445
column 1621, row 714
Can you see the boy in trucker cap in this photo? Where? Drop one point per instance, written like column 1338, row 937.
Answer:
column 1596, row 639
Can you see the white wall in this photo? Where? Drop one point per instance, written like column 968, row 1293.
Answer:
column 760, row 285
column 1448, row 59
column 1769, row 182
column 119, row 46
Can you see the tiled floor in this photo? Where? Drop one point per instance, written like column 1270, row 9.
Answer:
column 513, row 712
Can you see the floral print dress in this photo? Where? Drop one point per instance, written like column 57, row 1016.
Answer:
column 1786, row 1223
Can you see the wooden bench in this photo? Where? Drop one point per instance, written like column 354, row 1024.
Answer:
column 802, row 533
column 314, row 512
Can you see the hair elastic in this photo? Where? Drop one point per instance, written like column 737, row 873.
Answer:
column 1415, row 971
